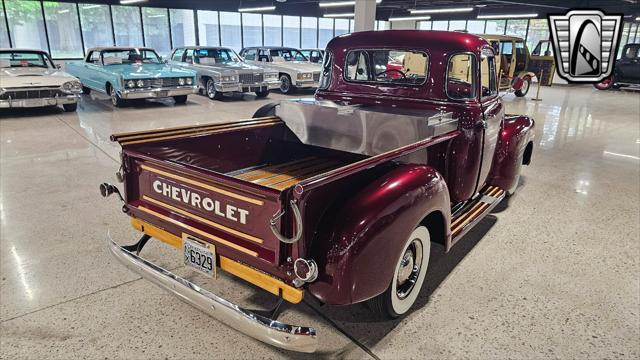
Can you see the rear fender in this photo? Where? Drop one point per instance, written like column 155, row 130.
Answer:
column 515, row 136
column 357, row 255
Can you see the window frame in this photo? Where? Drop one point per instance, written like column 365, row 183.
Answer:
column 474, row 58
column 422, row 51
column 492, row 96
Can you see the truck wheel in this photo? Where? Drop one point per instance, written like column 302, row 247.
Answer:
column 86, row 90
column 526, row 84
column 262, row 93
column 408, row 277
column 211, row 91
column 116, row 100
column 285, row 85
column 70, row 107
column 181, row 99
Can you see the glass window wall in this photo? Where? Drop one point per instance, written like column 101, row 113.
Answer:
column 251, row 29
column 272, row 30
column 230, row 31
column 156, row 29
column 208, row 29
column 183, row 29
column 64, row 29
column 127, row 25
column 291, row 31
column 342, row 26
column 325, row 31
column 96, row 25
column 309, row 32
column 26, row 25
column 495, row 27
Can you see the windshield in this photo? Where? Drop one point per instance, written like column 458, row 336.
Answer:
column 130, row 56
column 215, row 56
column 10, row 59
column 287, row 55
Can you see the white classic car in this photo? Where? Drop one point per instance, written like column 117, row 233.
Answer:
column 28, row 78
column 294, row 69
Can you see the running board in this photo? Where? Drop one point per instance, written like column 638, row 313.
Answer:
column 477, row 209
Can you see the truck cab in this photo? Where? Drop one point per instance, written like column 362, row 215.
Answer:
column 339, row 197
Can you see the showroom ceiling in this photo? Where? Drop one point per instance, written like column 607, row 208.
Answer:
column 388, row 8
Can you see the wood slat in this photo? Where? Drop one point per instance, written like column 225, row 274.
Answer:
column 279, row 169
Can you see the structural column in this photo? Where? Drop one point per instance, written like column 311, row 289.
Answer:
column 365, row 15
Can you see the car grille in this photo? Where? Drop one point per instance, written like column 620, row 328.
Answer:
column 32, row 94
column 250, row 78
column 316, row 76
column 161, row 82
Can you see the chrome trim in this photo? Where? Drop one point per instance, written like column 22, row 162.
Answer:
column 298, row 219
column 272, row 332
column 153, row 93
column 22, row 103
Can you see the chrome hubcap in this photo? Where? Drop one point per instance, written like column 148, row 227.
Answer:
column 409, row 269
column 114, row 100
column 211, row 89
column 284, row 86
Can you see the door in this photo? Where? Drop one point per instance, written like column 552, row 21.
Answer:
column 628, row 66
column 492, row 112
column 542, row 62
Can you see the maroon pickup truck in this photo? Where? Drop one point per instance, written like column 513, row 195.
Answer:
column 337, row 197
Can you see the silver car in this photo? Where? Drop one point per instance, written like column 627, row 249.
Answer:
column 294, row 68
column 220, row 70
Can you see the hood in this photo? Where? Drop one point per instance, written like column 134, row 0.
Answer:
column 232, row 68
column 146, row 71
column 32, row 76
column 301, row 66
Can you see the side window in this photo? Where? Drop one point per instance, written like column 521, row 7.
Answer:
column 507, row 48
column 520, row 48
column 263, row 55
column 488, row 74
column 250, row 54
column 177, row 55
column 189, row 56
column 94, row 57
column 387, row 66
column 461, row 83
column 325, row 76
column 631, row 52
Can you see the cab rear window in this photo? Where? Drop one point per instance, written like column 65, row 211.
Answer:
column 406, row 67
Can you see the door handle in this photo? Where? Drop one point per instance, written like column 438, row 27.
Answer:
column 481, row 124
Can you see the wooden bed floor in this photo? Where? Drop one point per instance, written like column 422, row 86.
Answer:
column 282, row 176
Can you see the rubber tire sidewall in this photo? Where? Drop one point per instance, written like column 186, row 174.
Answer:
column 180, row 99
column 291, row 88
column 611, row 82
column 216, row 95
column 119, row 102
column 519, row 92
column 70, row 107
column 386, row 304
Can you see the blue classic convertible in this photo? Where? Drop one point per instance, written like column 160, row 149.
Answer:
column 132, row 73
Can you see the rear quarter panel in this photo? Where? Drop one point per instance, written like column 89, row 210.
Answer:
column 357, row 253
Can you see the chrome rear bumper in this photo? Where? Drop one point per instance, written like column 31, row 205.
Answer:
column 285, row 336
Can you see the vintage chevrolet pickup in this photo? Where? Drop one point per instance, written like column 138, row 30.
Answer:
column 338, row 197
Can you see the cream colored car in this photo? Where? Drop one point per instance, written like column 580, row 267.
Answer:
column 28, row 78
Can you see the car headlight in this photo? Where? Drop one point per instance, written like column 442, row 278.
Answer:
column 140, row 83
column 73, row 86
column 189, row 81
column 271, row 76
column 304, row 76
column 131, row 83
column 228, row 78
column 181, row 81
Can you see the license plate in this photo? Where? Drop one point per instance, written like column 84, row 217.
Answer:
column 33, row 102
column 199, row 255
column 163, row 93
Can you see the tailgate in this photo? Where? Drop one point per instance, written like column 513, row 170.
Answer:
column 232, row 215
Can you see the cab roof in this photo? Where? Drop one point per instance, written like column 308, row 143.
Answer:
column 499, row 37
column 447, row 41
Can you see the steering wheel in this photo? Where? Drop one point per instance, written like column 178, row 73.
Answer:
column 404, row 76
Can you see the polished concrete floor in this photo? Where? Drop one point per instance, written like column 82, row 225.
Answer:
column 553, row 273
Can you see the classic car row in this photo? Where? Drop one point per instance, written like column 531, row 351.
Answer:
column 338, row 198
column 29, row 78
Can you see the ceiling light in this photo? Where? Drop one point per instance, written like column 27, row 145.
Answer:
column 436, row 11
column 90, row 6
column 507, row 16
column 255, row 9
column 125, row 2
column 341, row 3
column 426, row 17
column 339, row 15
column 638, row 18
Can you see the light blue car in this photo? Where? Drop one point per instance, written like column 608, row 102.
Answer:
column 126, row 73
